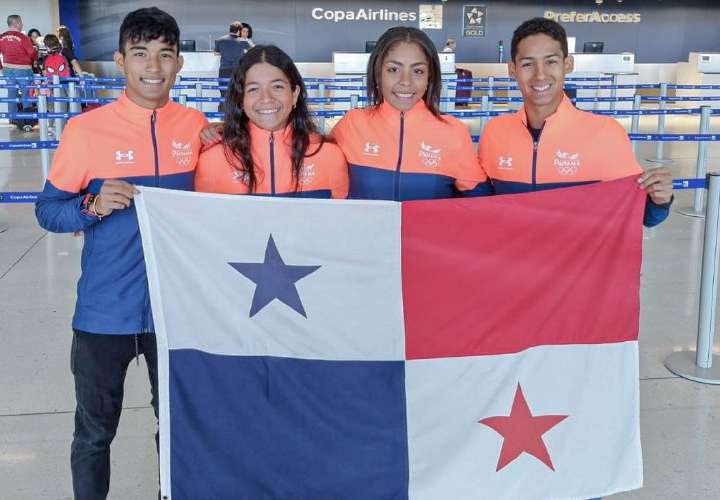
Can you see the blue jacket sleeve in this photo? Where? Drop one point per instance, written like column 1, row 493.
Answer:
column 655, row 214
column 482, row 189
column 61, row 212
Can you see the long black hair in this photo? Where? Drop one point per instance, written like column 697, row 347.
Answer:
column 236, row 132
column 384, row 44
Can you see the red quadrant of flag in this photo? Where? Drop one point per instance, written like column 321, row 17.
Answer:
column 505, row 273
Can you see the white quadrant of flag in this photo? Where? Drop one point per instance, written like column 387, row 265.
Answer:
column 356, row 243
column 454, row 455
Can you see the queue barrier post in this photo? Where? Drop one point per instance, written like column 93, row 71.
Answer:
column 485, row 106
column 199, row 93
column 58, row 107
column 696, row 210
column 364, row 85
column 354, row 98
column 73, row 94
column 613, row 92
column 182, row 99
column 660, row 145
column 635, row 123
column 443, row 98
column 321, row 95
column 702, row 365
column 491, row 90
column 44, row 136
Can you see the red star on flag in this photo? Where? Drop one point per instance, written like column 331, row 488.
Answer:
column 522, row 432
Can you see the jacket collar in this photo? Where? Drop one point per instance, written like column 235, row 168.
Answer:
column 388, row 111
column 258, row 134
column 133, row 110
column 564, row 110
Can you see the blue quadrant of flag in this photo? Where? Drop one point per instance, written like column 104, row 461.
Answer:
column 287, row 428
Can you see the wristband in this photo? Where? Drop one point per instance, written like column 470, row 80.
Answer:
column 89, row 205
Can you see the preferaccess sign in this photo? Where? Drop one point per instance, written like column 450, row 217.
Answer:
column 474, row 21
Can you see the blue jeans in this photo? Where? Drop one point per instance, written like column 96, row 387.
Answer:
column 99, row 364
column 10, row 73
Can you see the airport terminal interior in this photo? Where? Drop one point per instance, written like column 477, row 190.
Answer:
column 622, row 60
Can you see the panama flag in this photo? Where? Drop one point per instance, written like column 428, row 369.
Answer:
column 357, row 350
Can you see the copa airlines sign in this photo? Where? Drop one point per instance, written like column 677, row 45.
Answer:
column 593, row 17
column 337, row 16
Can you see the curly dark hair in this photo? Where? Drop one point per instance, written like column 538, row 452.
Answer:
column 236, row 133
column 539, row 25
column 384, row 44
column 149, row 24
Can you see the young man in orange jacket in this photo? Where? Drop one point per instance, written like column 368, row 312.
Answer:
column 141, row 139
column 549, row 143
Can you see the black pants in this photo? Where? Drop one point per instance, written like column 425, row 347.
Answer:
column 99, row 364
column 223, row 73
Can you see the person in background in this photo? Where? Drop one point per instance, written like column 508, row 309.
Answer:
column 55, row 63
column 68, row 50
column 400, row 147
column 270, row 144
column 232, row 48
column 19, row 56
column 39, row 43
column 247, row 33
column 450, row 45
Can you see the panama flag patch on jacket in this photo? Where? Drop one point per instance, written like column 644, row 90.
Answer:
column 457, row 349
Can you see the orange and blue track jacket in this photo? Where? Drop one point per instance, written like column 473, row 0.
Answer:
column 120, row 140
column 411, row 155
column 324, row 172
column 575, row 147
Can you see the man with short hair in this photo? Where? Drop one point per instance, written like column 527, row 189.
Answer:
column 18, row 57
column 143, row 138
column 232, row 48
column 549, row 143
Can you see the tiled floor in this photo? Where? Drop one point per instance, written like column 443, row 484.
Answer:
column 38, row 272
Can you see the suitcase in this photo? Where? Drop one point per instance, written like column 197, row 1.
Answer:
column 25, row 124
column 463, row 94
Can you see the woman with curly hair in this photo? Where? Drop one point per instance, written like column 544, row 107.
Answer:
column 270, row 144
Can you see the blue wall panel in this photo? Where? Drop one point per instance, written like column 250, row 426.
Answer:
column 667, row 31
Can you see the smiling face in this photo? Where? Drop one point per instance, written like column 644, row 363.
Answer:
column 539, row 68
column 404, row 75
column 150, row 69
column 268, row 96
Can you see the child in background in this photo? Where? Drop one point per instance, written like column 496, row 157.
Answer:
column 55, row 62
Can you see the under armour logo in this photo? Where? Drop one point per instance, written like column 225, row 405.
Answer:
column 371, row 149
column 125, row 157
column 505, row 162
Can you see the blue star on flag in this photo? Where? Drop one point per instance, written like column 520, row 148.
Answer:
column 274, row 280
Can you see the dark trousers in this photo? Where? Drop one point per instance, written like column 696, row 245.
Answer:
column 99, row 364
column 223, row 73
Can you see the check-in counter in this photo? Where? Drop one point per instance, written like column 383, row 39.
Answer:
column 620, row 66
column 354, row 64
column 702, row 68
column 204, row 64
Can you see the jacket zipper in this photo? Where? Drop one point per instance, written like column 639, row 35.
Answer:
column 536, row 143
column 146, row 323
column 272, row 163
column 153, row 119
column 534, row 163
column 400, row 154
